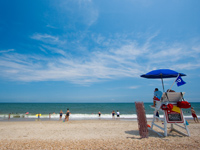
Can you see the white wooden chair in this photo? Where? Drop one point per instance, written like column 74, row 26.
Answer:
column 168, row 98
column 172, row 97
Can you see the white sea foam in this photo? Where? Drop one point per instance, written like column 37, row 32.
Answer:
column 79, row 116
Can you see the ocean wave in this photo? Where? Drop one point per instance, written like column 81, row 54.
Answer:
column 80, row 116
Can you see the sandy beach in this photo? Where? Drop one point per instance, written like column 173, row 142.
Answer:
column 90, row 134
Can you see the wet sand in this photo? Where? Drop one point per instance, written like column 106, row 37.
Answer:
column 91, row 134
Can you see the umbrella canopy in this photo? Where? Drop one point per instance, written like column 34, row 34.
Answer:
column 162, row 73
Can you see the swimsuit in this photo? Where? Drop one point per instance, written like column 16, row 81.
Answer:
column 61, row 114
column 117, row 114
column 156, row 99
column 194, row 115
column 67, row 113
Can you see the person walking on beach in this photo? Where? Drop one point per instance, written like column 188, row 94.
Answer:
column 38, row 115
column 99, row 114
column 61, row 113
column 67, row 114
column 157, row 96
column 194, row 115
column 113, row 114
column 118, row 114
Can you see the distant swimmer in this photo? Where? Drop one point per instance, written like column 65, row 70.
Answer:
column 67, row 114
column 113, row 114
column 99, row 114
column 38, row 115
column 118, row 114
column 61, row 113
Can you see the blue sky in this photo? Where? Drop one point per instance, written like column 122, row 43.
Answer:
column 95, row 51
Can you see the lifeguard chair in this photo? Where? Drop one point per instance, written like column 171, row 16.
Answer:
column 168, row 103
column 173, row 116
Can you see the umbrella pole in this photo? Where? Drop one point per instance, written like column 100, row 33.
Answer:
column 163, row 87
column 162, row 84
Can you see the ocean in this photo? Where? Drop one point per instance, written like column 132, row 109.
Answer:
column 79, row 111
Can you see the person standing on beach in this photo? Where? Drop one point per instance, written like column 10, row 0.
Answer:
column 38, row 116
column 99, row 114
column 157, row 96
column 194, row 115
column 113, row 114
column 118, row 114
column 61, row 113
column 67, row 114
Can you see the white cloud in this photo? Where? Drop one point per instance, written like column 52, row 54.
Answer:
column 54, row 49
column 89, row 12
column 49, row 39
column 129, row 59
column 43, row 50
column 133, row 87
column 83, row 12
column 76, row 70
column 187, row 66
column 44, row 37
column 6, row 51
column 50, row 26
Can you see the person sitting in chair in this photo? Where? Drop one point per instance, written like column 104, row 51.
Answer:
column 157, row 96
column 169, row 90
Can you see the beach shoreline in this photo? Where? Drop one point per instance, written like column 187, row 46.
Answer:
column 90, row 134
column 55, row 117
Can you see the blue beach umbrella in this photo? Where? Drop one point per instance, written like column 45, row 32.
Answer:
column 161, row 74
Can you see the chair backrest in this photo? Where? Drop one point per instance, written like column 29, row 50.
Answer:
column 172, row 97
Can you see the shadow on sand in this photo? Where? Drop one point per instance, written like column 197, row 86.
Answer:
column 135, row 134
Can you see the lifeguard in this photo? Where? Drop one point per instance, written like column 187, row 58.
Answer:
column 157, row 96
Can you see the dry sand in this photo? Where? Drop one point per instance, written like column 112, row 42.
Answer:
column 90, row 134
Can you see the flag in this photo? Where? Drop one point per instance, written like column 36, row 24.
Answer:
column 179, row 81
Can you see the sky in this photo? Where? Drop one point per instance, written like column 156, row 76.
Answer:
column 95, row 51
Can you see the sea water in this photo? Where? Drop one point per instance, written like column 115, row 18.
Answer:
column 79, row 111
